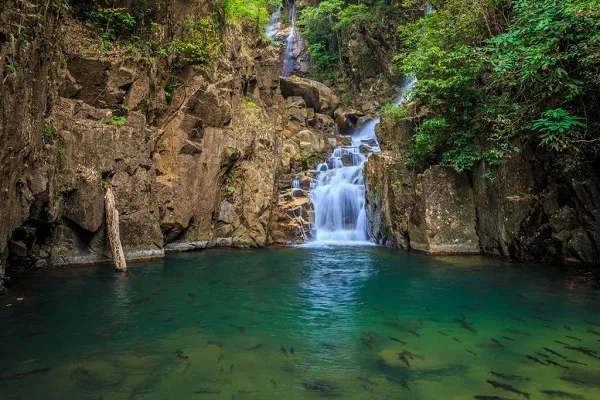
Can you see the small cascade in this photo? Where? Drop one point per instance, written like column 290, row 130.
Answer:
column 273, row 25
column 289, row 61
column 338, row 193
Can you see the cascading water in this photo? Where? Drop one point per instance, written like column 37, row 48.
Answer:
column 289, row 61
column 338, row 194
column 273, row 25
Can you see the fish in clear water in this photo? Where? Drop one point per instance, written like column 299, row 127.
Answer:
column 577, row 362
column 556, row 364
column 404, row 359
column 504, row 386
column 397, row 340
column 539, row 318
column 284, row 351
column 442, row 333
column 231, row 367
column 515, row 318
column 180, row 354
column 472, row 352
column 594, row 332
column 274, row 383
column 561, row 394
column 516, row 332
column 483, row 397
column 400, row 382
column 579, row 382
column 292, row 351
column 191, row 295
column 322, row 388
column 24, row 374
column 561, row 343
column 554, row 353
column 465, row 325
column 574, row 338
column 414, row 332
column 532, row 358
column 508, row 338
column 586, row 351
column 457, row 340
column 509, row 377
column 367, row 381
column 592, row 323
column 207, row 391
column 242, row 329
column 255, row 347
column 567, row 328
column 550, row 327
column 497, row 342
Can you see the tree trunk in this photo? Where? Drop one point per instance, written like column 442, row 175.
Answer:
column 112, row 230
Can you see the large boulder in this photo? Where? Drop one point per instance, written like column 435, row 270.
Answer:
column 315, row 94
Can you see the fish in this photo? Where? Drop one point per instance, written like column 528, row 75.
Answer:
column 420, row 321
column 465, row 325
column 594, row 332
column 457, row 340
column 242, row 329
column 321, row 387
column 207, row 391
column 180, row 354
column 578, row 382
column 222, row 317
column 550, row 327
column 191, row 295
column 274, row 383
column 403, row 358
column 532, row 358
column 540, row 318
column 292, row 351
column 284, row 351
column 481, row 397
column 577, row 362
column 414, row 332
column 168, row 319
column 231, row 367
column 442, row 333
column 503, row 386
column 222, row 356
column 400, row 382
column 516, row 332
column 554, row 353
column 556, row 364
column 497, row 342
column 515, row 318
column 397, row 340
column 561, row 343
column 574, row 338
column 567, row 328
column 366, row 342
column 559, row 393
column 510, row 377
column 32, row 372
column 255, row 347
column 592, row 323
column 469, row 351
column 508, row 338
column 367, row 381
column 587, row 352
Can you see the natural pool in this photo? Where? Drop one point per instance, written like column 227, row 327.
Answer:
column 301, row 323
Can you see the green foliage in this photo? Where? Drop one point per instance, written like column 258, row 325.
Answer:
column 48, row 134
column 117, row 120
column 395, row 112
column 489, row 68
column 558, row 128
column 330, row 26
column 252, row 12
column 114, row 23
column 11, row 68
column 201, row 40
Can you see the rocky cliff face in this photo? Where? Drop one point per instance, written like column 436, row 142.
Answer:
column 522, row 214
column 192, row 166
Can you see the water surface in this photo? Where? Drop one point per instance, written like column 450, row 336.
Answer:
column 300, row 323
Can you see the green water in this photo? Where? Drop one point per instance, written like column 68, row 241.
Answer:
column 221, row 324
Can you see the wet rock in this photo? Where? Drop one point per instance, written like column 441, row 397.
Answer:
column 347, row 120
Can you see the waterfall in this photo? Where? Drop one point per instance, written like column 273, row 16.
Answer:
column 273, row 25
column 289, row 61
column 338, row 193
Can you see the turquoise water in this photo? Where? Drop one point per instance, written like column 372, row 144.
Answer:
column 301, row 323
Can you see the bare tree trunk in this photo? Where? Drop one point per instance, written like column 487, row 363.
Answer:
column 112, row 229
